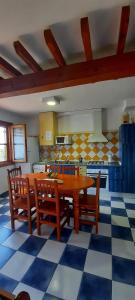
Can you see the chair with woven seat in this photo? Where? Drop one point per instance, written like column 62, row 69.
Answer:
column 89, row 206
column 22, row 201
column 51, row 210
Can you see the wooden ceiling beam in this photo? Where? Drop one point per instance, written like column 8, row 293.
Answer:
column 85, row 32
column 26, row 56
column 53, row 47
column 8, row 69
column 107, row 68
column 125, row 14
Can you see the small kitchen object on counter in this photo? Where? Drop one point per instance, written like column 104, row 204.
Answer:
column 125, row 118
column 109, row 158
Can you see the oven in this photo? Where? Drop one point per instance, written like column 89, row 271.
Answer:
column 104, row 179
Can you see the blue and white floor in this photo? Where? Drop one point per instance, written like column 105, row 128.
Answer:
column 83, row 267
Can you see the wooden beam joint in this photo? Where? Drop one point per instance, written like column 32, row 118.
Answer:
column 125, row 14
column 26, row 56
column 85, row 32
column 53, row 47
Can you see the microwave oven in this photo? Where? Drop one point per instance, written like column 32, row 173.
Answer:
column 63, row 140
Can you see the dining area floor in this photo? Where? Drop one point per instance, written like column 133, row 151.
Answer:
column 82, row 266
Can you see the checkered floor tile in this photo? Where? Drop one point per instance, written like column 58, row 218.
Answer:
column 80, row 267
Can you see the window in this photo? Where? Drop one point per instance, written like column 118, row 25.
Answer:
column 18, row 138
column 3, row 144
column 12, row 143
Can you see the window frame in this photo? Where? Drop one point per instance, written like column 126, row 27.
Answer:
column 7, row 126
column 12, row 127
column 10, row 149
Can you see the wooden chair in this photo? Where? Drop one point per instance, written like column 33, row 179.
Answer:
column 4, row 295
column 89, row 206
column 68, row 169
column 14, row 172
column 22, row 201
column 51, row 209
column 54, row 169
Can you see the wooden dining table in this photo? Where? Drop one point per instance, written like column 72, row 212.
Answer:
column 70, row 185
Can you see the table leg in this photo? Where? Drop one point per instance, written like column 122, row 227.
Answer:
column 76, row 210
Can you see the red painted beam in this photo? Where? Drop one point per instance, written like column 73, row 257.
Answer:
column 125, row 14
column 108, row 68
column 54, row 48
column 85, row 32
column 8, row 69
column 26, row 56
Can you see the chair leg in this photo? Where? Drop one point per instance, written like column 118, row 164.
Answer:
column 58, row 234
column 68, row 217
column 12, row 222
column 58, row 230
column 12, row 218
column 29, row 223
column 96, row 228
column 38, row 225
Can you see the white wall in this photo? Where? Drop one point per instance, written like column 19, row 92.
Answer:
column 78, row 122
column 81, row 122
column 3, row 179
column 10, row 117
column 112, row 118
column 75, row 123
column 13, row 118
column 32, row 123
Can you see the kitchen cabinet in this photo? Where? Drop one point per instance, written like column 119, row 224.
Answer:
column 115, row 179
column 127, row 156
column 48, row 128
column 127, row 134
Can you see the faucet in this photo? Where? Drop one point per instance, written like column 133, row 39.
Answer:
column 57, row 157
column 67, row 159
column 80, row 159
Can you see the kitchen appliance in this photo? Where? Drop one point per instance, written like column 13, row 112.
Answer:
column 97, row 136
column 63, row 140
column 104, row 179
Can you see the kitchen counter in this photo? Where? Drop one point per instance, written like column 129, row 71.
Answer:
column 85, row 163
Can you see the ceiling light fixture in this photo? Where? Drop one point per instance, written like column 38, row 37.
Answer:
column 51, row 101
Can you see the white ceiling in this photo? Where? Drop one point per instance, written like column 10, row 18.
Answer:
column 26, row 19
column 84, row 97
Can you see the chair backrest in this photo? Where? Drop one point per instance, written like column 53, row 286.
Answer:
column 54, row 169
column 98, row 188
column 14, row 172
column 19, row 188
column 46, row 190
column 71, row 170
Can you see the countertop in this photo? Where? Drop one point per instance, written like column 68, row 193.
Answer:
column 84, row 163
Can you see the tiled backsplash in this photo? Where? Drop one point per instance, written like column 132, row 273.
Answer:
column 80, row 147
